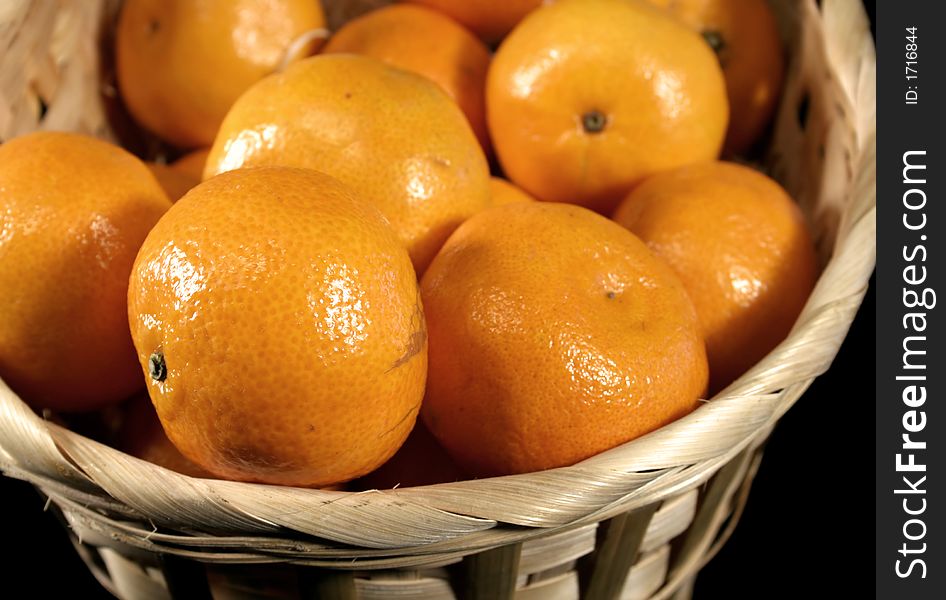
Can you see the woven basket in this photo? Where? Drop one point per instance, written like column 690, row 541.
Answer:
column 637, row 521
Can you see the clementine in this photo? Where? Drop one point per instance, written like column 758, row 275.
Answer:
column 739, row 244
column 540, row 359
column 73, row 212
column 182, row 63
column 503, row 192
column 141, row 435
column 394, row 137
column 279, row 325
column 428, row 43
column 744, row 34
column 489, row 19
column 585, row 98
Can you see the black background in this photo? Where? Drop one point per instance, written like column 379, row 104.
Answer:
column 809, row 518
column 810, row 515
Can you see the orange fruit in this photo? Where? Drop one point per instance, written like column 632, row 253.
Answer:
column 182, row 63
column 178, row 177
column 420, row 461
column 540, row 359
column 174, row 182
column 192, row 163
column 503, row 192
column 428, row 43
column 73, row 212
column 745, row 36
column 142, row 436
column 739, row 244
column 489, row 19
column 278, row 323
column 585, row 98
column 394, row 137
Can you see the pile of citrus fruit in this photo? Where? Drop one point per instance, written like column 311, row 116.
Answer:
column 502, row 225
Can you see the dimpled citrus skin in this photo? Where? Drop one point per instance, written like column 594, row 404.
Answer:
column 739, row 244
column 541, row 354
column 290, row 324
column 751, row 56
column 394, row 137
column 182, row 63
column 503, row 192
column 73, row 212
column 489, row 19
column 587, row 97
column 428, row 43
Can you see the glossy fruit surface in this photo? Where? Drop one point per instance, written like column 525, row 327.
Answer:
column 428, row 43
column 587, row 97
column 182, row 63
column 742, row 249
column 73, row 212
column 394, row 137
column 745, row 36
column 278, row 322
column 554, row 335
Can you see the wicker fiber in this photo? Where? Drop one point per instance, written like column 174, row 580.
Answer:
column 540, row 535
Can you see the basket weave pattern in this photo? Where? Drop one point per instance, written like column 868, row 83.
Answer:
column 662, row 503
